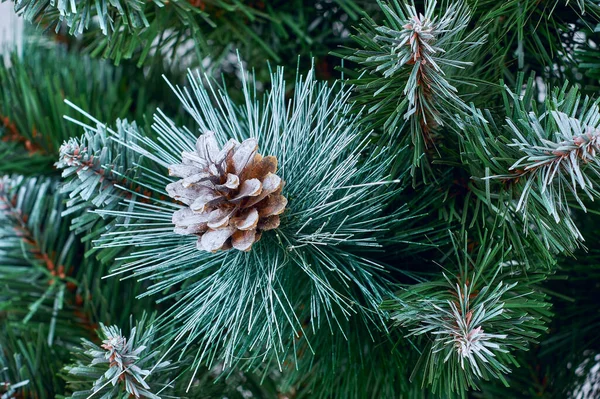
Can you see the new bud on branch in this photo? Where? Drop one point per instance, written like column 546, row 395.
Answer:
column 232, row 194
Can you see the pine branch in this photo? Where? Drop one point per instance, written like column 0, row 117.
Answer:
column 353, row 357
column 8, row 387
column 270, row 237
column 411, row 65
column 585, row 54
column 322, row 252
column 530, row 35
column 119, row 367
column 98, row 173
column 12, row 134
column 469, row 205
column 564, row 148
column 474, row 320
column 20, row 153
column 37, row 255
column 560, row 364
column 124, row 368
column 570, row 157
column 46, row 288
column 540, row 163
column 28, row 364
column 154, row 31
column 32, row 105
column 123, row 16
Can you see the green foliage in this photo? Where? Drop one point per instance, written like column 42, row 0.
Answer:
column 152, row 31
column 529, row 35
column 50, row 296
column 119, row 368
column 38, row 255
column 586, row 53
column 28, row 364
column 562, row 362
column 410, row 64
column 474, row 320
column 538, row 163
column 99, row 174
column 337, row 206
column 512, row 172
column 32, row 107
column 10, row 378
column 342, row 365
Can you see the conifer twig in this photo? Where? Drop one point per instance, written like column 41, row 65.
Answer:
column 474, row 321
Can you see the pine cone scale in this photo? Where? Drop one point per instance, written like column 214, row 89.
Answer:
column 207, row 147
column 269, row 223
column 220, row 214
column 249, row 188
column 243, row 240
column 182, row 170
column 195, row 178
column 270, row 184
column 243, row 154
column 213, row 240
column 232, row 183
column 206, row 198
column 187, row 195
column 247, row 221
column 274, row 205
column 261, row 166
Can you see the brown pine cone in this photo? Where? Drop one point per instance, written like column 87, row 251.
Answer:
column 233, row 194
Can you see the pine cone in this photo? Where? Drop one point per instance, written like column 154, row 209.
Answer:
column 233, row 194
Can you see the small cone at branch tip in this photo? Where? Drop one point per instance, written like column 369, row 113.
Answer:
column 232, row 194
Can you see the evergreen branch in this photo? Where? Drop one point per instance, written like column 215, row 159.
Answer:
column 418, row 44
column 115, row 369
column 411, row 63
column 322, row 252
column 565, row 150
column 17, row 160
column 46, row 289
column 38, row 254
column 542, row 160
column 125, row 368
column 312, row 192
column 98, row 173
column 474, row 320
column 354, row 357
column 20, row 153
column 32, row 107
column 124, row 16
column 561, row 365
column 530, row 35
column 28, row 364
column 152, row 31
column 12, row 134
column 8, row 389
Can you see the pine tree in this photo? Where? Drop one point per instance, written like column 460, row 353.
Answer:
column 286, row 199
